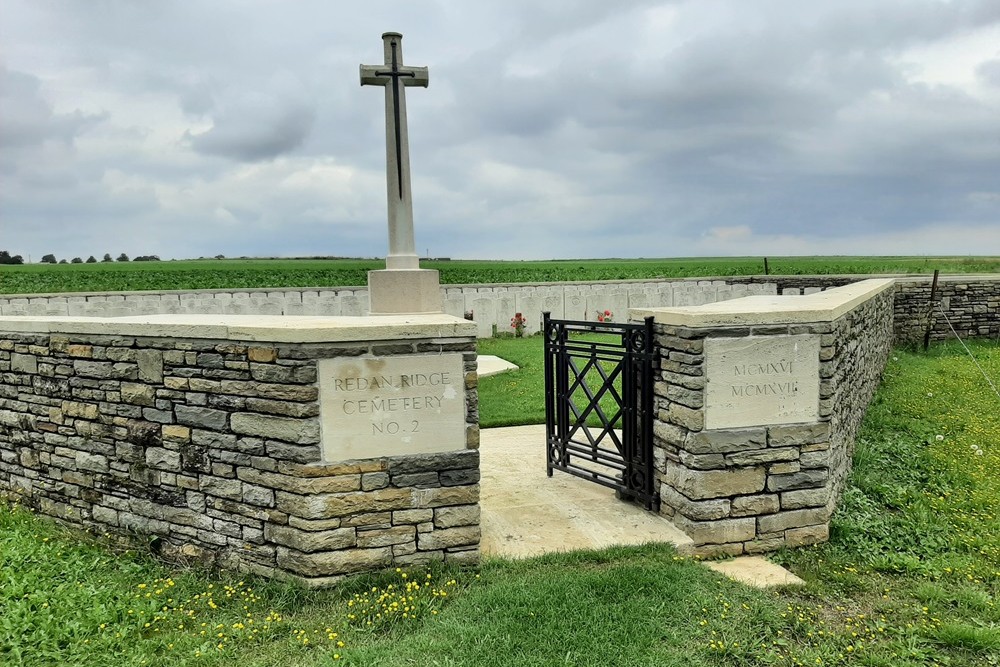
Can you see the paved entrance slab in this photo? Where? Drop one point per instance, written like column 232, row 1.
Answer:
column 525, row 513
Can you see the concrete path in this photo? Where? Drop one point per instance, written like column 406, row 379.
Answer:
column 526, row 513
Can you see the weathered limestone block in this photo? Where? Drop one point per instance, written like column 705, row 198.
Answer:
column 324, row 563
column 138, row 394
column 451, row 517
column 804, row 479
column 726, row 441
column 448, row 495
column 301, row 485
column 449, row 537
column 704, row 484
column 163, row 459
column 756, row 505
column 24, row 363
column 311, row 541
column 222, row 487
column 205, row 418
column 384, row 537
column 699, row 510
column 799, row 499
column 329, row 505
column 775, row 523
column 723, row 531
column 798, row 434
column 300, row 431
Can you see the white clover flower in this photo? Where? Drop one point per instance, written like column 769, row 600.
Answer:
column 939, row 438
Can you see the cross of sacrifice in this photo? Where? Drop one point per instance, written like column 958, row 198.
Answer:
column 394, row 76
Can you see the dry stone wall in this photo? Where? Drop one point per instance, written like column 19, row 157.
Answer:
column 756, row 484
column 214, row 446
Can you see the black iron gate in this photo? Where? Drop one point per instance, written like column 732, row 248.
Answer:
column 599, row 404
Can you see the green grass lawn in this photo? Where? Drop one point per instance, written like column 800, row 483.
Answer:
column 277, row 273
column 911, row 575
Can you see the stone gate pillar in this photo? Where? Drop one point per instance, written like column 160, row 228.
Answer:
column 757, row 406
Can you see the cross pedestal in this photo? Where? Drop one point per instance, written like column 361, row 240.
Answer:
column 403, row 287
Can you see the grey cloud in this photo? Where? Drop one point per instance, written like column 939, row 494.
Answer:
column 255, row 127
column 28, row 118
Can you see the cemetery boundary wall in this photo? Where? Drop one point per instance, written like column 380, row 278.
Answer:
column 757, row 408
column 209, row 437
column 972, row 303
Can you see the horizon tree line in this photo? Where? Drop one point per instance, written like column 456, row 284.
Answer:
column 7, row 258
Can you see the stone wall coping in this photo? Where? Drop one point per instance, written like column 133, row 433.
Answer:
column 825, row 306
column 253, row 328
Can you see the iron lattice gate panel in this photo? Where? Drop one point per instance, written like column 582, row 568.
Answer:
column 599, row 404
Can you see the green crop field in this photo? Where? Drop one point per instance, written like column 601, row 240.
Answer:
column 254, row 273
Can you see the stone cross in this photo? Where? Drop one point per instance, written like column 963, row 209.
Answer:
column 394, row 76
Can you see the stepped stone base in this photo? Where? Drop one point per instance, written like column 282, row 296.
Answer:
column 404, row 291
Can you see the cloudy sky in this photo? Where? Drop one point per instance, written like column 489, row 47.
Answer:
column 550, row 129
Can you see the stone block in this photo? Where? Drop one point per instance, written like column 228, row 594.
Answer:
column 300, row 431
column 804, row 479
column 791, row 500
column 670, row 433
column 776, row 523
column 412, row 516
column 723, row 531
column 81, row 410
column 163, row 459
column 221, row 486
column 702, row 461
column 698, row 510
column 447, row 495
column 329, row 505
column 138, row 394
column 310, row 541
column 205, row 418
column 91, row 462
column 798, row 434
column 258, row 495
column 815, row 459
column 374, row 480
column 175, row 433
column 725, row 441
column 451, row 517
column 324, row 563
column 771, row 455
column 24, row 363
column 800, row 537
column 448, row 537
column 693, row 420
column 384, row 537
column 704, row 484
column 756, row 505
column 301, row 485
column 150, row 366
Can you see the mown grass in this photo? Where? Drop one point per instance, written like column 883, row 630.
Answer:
column 277, row 273
column 910, row 577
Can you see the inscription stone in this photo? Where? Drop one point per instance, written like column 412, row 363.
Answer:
column 388, row 406
column 758, row 381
